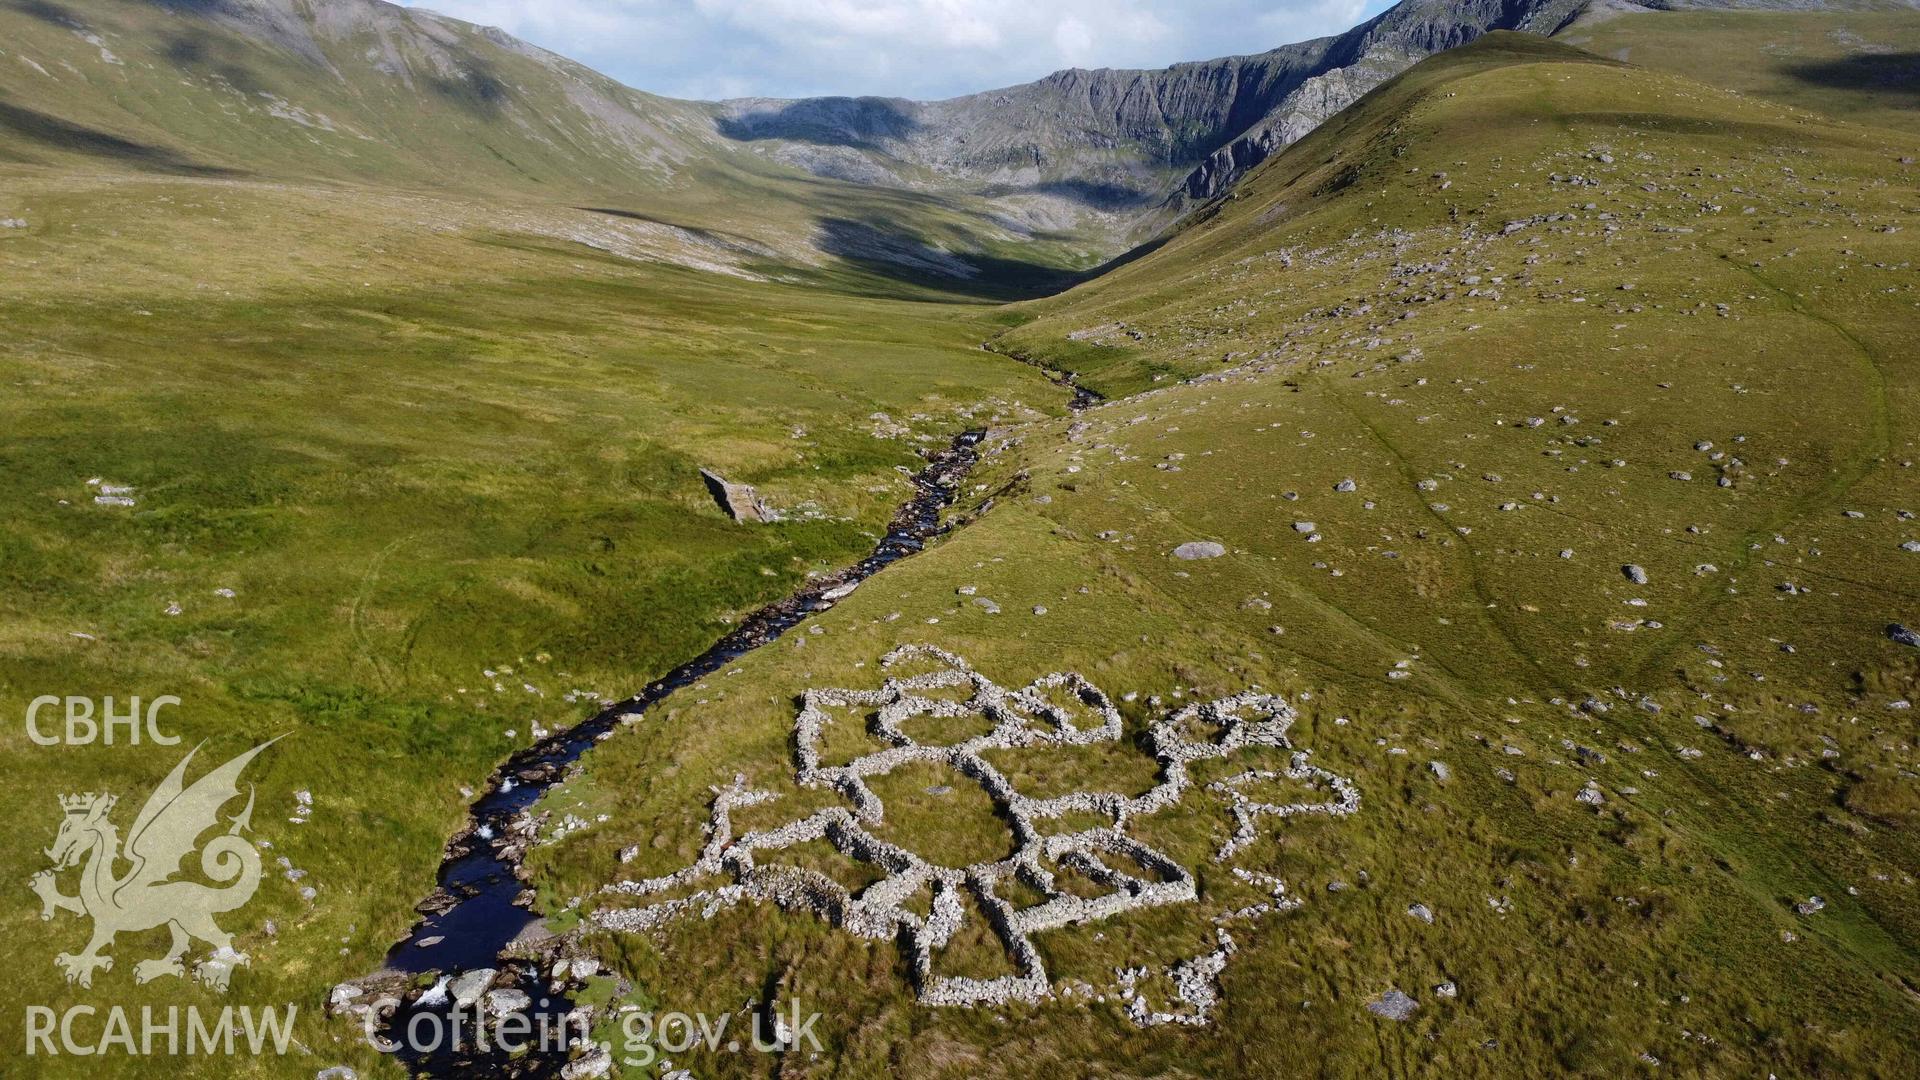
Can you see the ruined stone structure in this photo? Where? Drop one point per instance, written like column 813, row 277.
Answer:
column 1032, row 717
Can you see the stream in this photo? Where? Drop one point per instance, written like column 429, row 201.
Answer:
column 1083, row 397
column 475, row 919
column 479, row 919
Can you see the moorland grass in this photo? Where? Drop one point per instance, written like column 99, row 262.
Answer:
column 1361, row 309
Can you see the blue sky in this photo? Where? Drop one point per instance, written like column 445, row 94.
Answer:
column 906, row 48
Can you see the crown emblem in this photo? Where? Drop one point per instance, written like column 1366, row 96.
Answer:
column 75, row 803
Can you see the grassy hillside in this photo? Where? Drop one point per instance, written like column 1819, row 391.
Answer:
column 1862, row 66
column 410, row 489
column 346, row 91
column 1619, row 368
column 411, row 401
column 410, row 405
column 359, row 93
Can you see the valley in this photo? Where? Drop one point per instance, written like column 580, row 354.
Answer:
column 1430, row 596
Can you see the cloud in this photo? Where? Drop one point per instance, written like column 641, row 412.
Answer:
column 897, row 48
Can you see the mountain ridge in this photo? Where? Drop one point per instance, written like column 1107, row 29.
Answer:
column 1196, row 145
column 1063, row 172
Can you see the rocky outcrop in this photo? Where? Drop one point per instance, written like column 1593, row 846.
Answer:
column 1132, row 140
column 740, row 501
column 1143, row 144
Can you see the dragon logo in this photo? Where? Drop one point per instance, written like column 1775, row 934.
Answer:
column 145, row 897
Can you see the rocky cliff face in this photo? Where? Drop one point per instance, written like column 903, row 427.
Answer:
column 1137, row 145
column 1128, row 141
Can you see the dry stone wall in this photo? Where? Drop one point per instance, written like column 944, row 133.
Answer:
column 1036, row 717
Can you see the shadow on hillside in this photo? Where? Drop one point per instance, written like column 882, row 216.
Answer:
column 902, row 258
column 200, row 51
column 53, row 132
column 474, row 89
column 861, row 123
column 1139, row 251
column 204, row 7
column 45, row 12
column 1892, row 73
column 711, row 236
column 1671, row 124
column 1097, row 194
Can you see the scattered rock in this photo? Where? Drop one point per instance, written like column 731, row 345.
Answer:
column 1635, row 573
column 1393, row 1005
column 342, row 996
column 1199, row 549
column 596, row 1062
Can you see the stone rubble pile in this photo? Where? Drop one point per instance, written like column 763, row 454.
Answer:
column 1193, row 983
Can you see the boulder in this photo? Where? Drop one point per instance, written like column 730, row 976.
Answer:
column 343, row 995
column 467, row 989
column 508, row 1001
column 740, row 501
column 1393, row 1005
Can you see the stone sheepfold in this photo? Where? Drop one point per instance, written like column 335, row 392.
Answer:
column 1026, row 718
